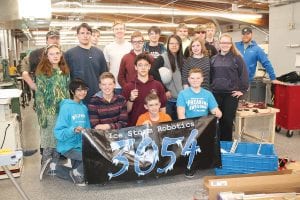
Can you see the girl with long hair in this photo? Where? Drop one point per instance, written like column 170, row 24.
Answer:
column 52, row 79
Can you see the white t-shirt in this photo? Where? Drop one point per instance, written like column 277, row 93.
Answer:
column 113, row 54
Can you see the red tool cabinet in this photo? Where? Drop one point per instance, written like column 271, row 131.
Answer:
column 287, row 99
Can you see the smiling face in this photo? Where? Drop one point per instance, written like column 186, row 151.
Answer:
column 153, row 106
column 225, row 44
column 173, row 45
column 119, row 31
column 195, row 80
column 246, row 37
column 196, row 48
column 107, row 86
column 80, row 94
column 183, row 33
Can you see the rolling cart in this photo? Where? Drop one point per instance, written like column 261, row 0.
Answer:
column 287, row 99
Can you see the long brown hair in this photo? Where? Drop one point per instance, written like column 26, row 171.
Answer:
column 202, row 43
column 46, row 68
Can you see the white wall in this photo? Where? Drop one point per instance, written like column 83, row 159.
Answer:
column 283, row 35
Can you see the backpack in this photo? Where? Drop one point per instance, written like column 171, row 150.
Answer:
column 291, row 77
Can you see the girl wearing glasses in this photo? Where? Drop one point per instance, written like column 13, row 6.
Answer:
column 52, row 79
column 229, row 81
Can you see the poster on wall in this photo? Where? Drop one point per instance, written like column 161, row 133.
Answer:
column 149, row 151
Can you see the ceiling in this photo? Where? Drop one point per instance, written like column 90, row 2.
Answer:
column 67, row 14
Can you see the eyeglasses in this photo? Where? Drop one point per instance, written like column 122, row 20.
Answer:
column 198, row 32
column 225, row 42
column 174, row 43
column 138, row 42
column 141, row 65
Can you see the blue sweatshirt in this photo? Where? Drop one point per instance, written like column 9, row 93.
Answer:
column 251, row 55
column 71, row 115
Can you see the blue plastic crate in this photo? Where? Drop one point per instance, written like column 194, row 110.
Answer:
column 245, row 160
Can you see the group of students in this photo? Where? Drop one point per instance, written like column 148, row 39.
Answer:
column 198, row 85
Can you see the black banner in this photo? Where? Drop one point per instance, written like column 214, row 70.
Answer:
column 145, row 151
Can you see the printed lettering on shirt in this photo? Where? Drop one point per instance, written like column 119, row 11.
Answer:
column 197, row 104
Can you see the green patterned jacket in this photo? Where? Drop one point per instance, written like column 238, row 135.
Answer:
column 50, row 91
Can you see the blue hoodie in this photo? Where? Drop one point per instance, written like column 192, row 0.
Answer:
column 251, row 55
column 71, row 115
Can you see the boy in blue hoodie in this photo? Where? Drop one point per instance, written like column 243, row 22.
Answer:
column 72, row 119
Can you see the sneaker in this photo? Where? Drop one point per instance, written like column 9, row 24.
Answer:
column 78, row 180
column 45, row 168
column 189, row 173
column 52, row 169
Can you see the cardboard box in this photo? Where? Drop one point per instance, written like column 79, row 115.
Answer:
column 282, row 181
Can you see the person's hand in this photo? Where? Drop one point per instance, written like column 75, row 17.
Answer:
column 102, row 127
column 78, row 129
column 133, row 95
column 147, row 122
column 236, row 94
column 218, row 113
column 278, row 82
column 168, row 95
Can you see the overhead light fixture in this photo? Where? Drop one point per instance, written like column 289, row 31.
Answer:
column 28, row 9
column 60, row 23
column 142, row 10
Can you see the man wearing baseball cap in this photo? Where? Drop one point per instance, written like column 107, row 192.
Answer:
column 252, row 53
column 52, row 37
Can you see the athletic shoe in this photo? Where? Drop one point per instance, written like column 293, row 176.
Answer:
column 45, row 168
column 78, row 180
column 189, row 173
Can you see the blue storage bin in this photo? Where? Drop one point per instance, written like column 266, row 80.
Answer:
column 245, row 160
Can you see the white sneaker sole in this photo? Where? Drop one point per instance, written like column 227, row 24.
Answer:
column 44, row 168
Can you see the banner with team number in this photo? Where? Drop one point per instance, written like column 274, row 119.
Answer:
column 149, row 151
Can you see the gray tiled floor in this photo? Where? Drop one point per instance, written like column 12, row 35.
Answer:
column 176, row 187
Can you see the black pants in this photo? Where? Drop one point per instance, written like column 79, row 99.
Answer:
column 228, row 106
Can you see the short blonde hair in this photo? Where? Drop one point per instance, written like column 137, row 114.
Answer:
column 117, row 22
column 105, row 75
column 210, row 25
column 136, row 34
column 181, row 25
column 195, row 70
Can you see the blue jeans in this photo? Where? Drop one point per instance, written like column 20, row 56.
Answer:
column 76, row 162
column 172, row 108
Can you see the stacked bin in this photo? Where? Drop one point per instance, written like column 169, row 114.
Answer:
column 286, row 99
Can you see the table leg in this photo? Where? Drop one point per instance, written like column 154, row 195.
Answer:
column 20, row 190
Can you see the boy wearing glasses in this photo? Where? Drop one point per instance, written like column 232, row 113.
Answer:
column 72, row 119
column 136, row 91
column 127, row 71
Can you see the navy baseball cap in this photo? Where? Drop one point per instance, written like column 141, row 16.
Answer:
column 246, row 30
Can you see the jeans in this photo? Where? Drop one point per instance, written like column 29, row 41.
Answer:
column 76, row 162
column 172, row 108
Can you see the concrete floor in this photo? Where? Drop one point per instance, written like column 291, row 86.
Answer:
column 167, row 188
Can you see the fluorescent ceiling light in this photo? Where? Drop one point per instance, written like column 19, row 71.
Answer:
column 35, row 9
column 104, row 9
column 59, row 23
